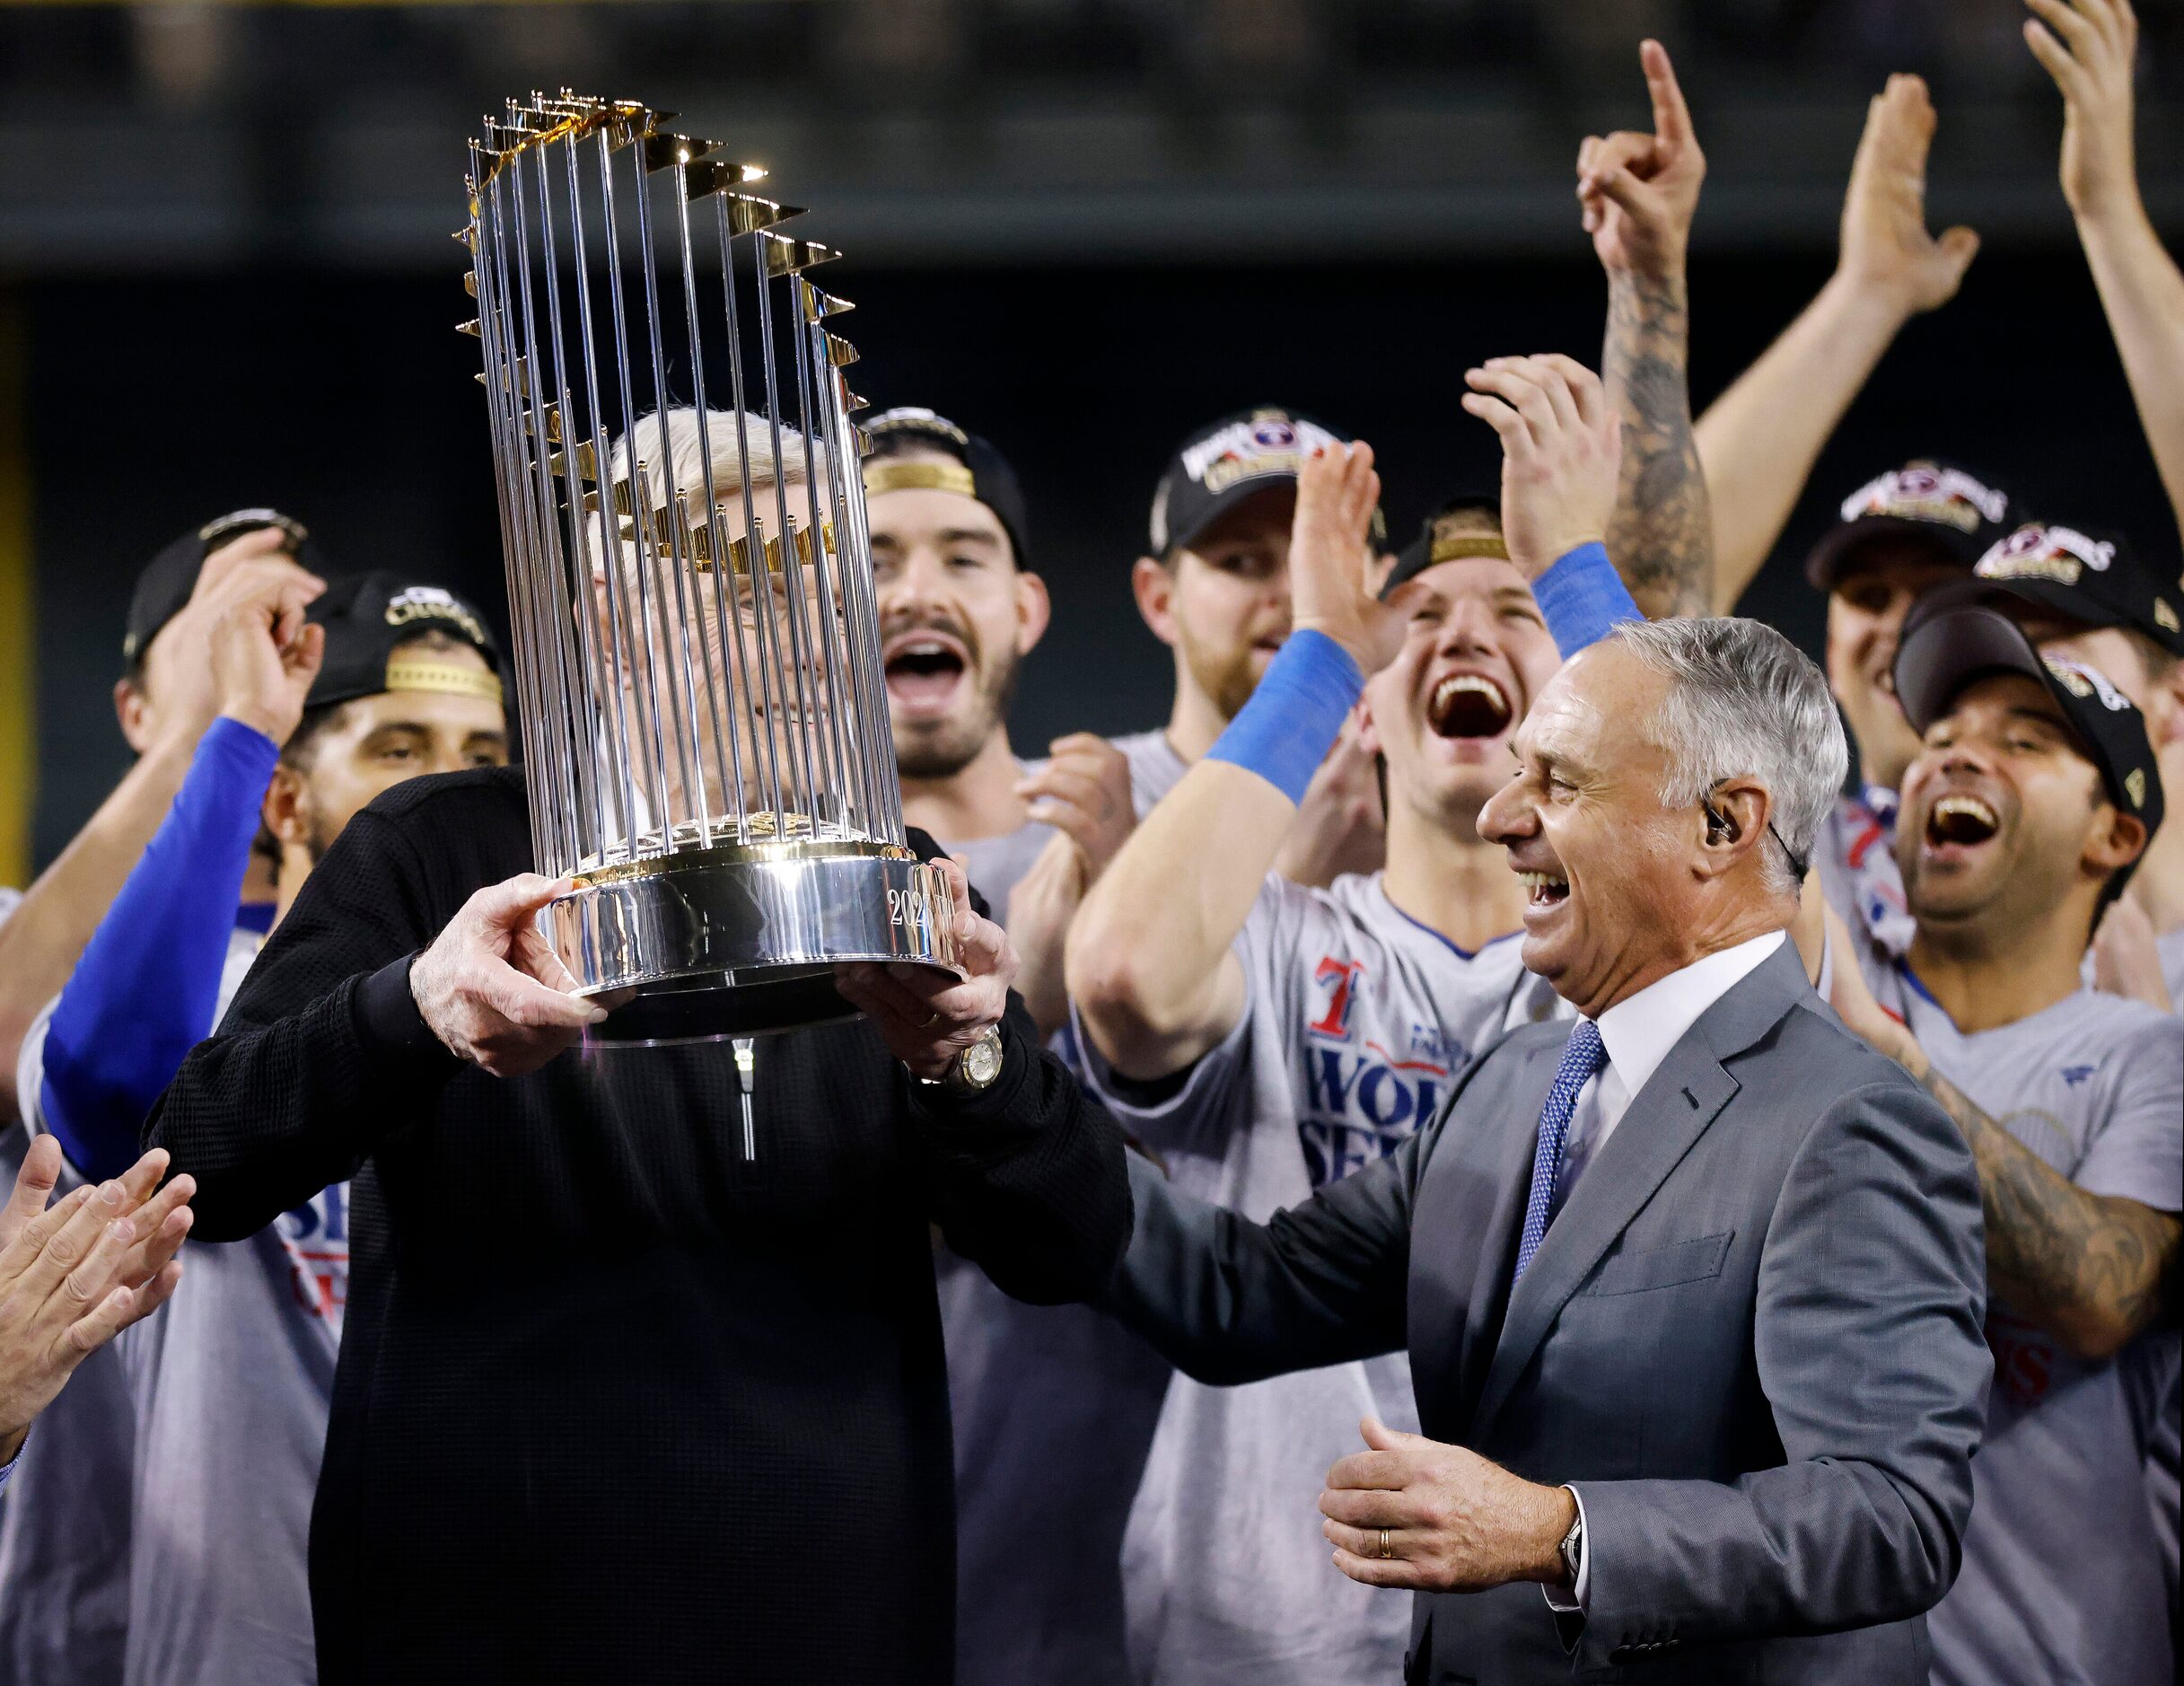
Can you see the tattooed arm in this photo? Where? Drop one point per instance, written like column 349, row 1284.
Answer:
column 2091, row 1269
column 1662, row 532
column 1638, row 192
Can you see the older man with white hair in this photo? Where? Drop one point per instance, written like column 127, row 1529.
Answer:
column 1691, row 1285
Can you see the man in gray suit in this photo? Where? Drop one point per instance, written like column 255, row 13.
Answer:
column 1692, row 1288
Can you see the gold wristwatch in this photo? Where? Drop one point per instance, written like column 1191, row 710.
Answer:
column 974, row 1070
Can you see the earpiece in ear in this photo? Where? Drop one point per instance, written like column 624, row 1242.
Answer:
column 1717, row 822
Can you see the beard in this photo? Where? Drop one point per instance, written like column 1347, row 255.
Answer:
column 1225, row 676
column 318, row 832
column 931, row 750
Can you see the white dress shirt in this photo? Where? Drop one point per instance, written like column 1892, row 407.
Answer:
column 1638, row 1032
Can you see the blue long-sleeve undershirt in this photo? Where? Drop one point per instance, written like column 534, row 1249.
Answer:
column 144, row 992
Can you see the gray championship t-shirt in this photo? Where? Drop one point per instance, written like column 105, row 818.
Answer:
column 1053, row 1406
column 1356, row 1023
column 2167, row 1452
column 2169, row 946
column 2064, row 1579
column 1155, row 769
column 230, row 1383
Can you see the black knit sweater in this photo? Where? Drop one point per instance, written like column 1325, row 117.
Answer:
column 614, row 1404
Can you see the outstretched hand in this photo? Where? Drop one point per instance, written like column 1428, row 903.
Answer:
column 1886, row 250
column 2088, row 48
column 1331, row 564
column 1561, row 446
column 492, row 989
column 1638, row 192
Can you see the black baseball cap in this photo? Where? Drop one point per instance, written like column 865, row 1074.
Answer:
column 2086, row 574
column 1955, row 636
column 1230, row 461
column 979, row 471
column 368, row 617
column 1955, row 512
column 169, row 578
column 1466, row 525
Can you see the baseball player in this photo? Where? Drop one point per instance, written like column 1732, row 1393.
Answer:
column 1053, row 1405
column 2023, row 815
column 228, row 585
column 229, row 1383
column 1215, row 587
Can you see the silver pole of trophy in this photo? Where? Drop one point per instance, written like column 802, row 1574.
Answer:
column 696, row 636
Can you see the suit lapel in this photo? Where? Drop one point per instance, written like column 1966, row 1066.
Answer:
column 1680, row 1101
column 1513, row 1155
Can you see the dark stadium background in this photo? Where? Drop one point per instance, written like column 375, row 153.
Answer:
column 169, row 377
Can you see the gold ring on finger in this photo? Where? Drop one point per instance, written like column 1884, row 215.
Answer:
column 1387, row 1543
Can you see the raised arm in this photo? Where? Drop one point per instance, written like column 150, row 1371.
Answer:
column 1148, row 964
column 1639, row 193
column 147, row 988
column 2088, row 47
column 42, row 942
column 1759, row 440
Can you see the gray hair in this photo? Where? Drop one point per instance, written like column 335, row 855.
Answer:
column 1744, row 702
column 687, row 460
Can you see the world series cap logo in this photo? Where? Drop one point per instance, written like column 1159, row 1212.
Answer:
column 1268, row 442
column 2037, row 550
column 1922, row 492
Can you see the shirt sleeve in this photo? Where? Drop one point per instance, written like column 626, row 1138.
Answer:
column 2138, row 1154
column 148, row 984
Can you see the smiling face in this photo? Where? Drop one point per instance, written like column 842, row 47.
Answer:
column 1476, row 651
column 956, row 615
column 2004, row 822
column 1606, row 868
column 739, row 661
column 1865, row 616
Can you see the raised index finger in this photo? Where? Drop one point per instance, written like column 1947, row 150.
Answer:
column 1671, row 116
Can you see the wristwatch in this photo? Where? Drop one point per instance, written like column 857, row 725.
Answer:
column 974, row 1070
column 1573, row 1547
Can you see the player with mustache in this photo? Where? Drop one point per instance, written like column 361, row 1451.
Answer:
column 1052, row 1405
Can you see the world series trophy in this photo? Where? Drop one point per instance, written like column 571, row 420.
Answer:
column 696, row 637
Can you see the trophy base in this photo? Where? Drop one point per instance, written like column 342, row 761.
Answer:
column 741, row 941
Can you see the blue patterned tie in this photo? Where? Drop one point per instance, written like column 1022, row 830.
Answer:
column 1581, row 1060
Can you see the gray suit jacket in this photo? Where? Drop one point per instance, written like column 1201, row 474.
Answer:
column 1752, row 1342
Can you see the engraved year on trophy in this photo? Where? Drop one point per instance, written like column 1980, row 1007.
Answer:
column 689, row 578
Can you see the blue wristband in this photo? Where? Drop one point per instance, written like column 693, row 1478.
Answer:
column 1295, row 713
column 1583, row 597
